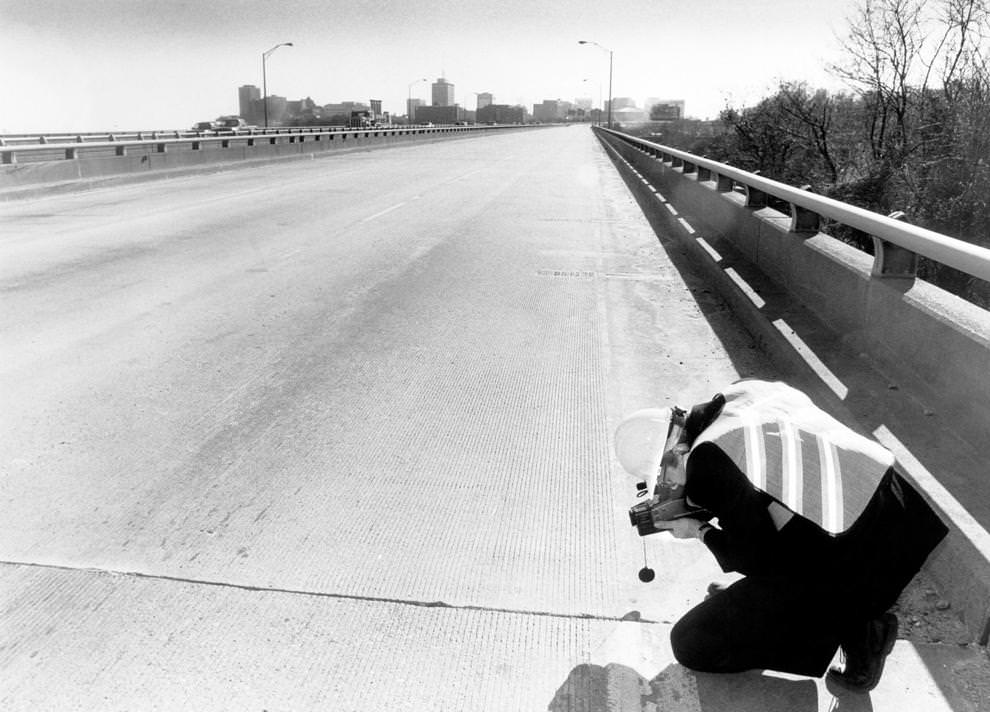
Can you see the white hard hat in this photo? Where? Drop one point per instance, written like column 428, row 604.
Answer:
column 640, row 441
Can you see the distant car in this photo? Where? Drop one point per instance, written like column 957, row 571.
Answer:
column 229, row 124
column 204, row 126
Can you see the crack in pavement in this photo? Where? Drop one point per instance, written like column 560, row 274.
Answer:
column 629, row 617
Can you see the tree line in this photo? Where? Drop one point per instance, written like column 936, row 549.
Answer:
column 911, row 133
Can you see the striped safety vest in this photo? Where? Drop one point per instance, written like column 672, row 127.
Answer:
column 797, row 453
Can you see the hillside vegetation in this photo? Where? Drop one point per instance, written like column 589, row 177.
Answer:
column 911, row 133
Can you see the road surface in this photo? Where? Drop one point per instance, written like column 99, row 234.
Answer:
column 335, row 434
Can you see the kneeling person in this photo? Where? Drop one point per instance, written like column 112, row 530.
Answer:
column 814, row 515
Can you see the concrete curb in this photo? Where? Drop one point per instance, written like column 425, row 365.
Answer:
column 961, row 563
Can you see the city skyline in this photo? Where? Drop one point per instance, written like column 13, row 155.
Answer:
column 134, row 64
column 443, row 94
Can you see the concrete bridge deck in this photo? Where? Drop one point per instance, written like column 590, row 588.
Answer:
column 335, row 434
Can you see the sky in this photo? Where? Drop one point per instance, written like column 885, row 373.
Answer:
column 121, row 65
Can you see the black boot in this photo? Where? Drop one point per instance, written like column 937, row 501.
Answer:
column 866, row 650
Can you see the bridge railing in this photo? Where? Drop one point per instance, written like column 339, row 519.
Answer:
column 896, row 243
column 13, row 149
column 911, row 329
column 39, row 139
column 29, row 139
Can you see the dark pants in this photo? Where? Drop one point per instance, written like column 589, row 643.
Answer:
column 759, row 623
column 795, row 623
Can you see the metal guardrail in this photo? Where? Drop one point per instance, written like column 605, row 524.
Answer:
column 897, row 243
column 28, row 139
column 13, row 140
column 159, row 141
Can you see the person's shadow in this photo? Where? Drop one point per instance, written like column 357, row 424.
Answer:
column 618, row 688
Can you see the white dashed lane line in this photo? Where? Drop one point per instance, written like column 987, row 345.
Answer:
column 386, row 211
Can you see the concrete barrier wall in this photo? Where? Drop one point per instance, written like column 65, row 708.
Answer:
column 935, row 344
column 147, row 159
column 912, row 330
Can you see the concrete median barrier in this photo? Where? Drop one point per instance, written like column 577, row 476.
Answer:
column 96, row 164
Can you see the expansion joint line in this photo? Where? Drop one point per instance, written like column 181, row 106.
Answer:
column 328, row 595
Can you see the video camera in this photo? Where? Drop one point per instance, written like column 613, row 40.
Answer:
column 668, row 501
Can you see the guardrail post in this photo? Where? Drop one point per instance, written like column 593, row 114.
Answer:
column 755, row 198
column 704, row 174
column 724, row 184
column 891, row 261
column 161, row 147
column 71, row 153
column 804, row 221
column 8, row 158
column 688, row 167
column 118, row 150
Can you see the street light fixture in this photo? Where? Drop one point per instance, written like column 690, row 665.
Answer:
column 609, row 75
column 264, row 74
column 409, row 112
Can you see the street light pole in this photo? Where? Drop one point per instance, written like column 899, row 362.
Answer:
column 409, row 117
column 609, row 76
column 264, row 74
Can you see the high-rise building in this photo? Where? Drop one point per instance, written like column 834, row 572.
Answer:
column 278, row 109
column 376, row 108
column 501, row 114
column 484, row 99
column 412, row 105
column 443, row 92
column 665, row 109
column 651, row 100
column 247, row 95
column 550, row 110
column 345, row 107
column 439, row 114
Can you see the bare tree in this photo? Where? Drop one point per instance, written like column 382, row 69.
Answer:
column 813, row 116
column 883, row 52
